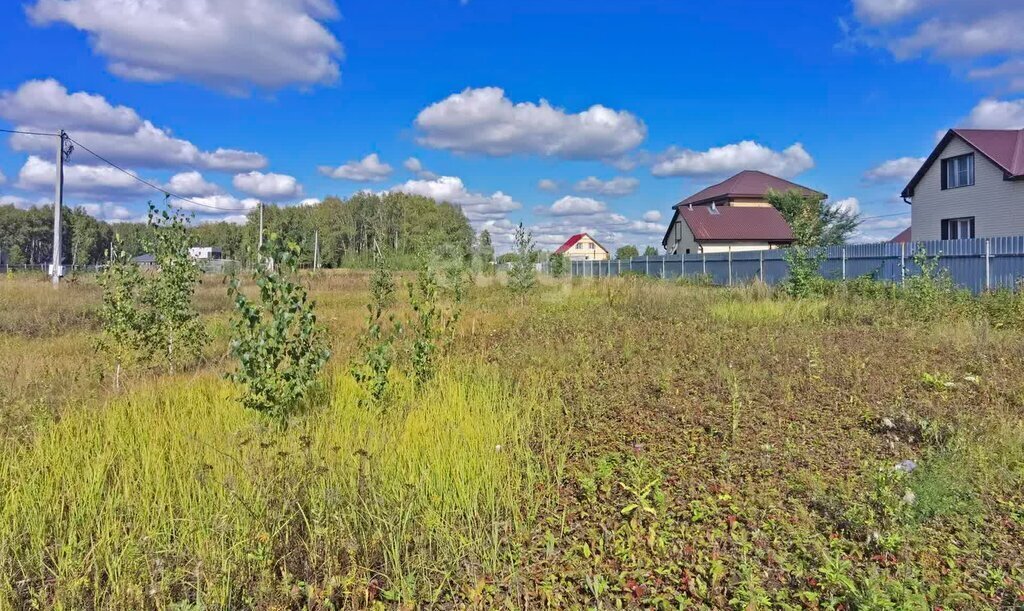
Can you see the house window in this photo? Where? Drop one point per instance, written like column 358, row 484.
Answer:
column 958, row 171
column 579, row 246
column 958, row 229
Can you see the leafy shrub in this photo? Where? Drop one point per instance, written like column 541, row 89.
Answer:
column 123, row 330
column 558, row 265
column 436, row 313
column 804, row 263
column 278, row 344
column 373, row 367
column 696, row 280
column 1004, row 308
column 174, row 331
column 522, row 275
column 931, row 294
column 150, row 316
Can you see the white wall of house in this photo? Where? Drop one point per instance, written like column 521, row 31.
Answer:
column 586, row 249
column 710, row 247
column 997, row 205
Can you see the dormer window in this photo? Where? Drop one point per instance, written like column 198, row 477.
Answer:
column 958, row 171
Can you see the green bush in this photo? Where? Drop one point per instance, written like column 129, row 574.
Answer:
column 279, row 345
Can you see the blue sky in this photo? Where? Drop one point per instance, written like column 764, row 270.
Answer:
column 229, row 102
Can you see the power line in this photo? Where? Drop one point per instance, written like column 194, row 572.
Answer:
column 27, row 133
column 149, row 184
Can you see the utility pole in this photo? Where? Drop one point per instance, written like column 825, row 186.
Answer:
column 58, row 203
column 316, row 249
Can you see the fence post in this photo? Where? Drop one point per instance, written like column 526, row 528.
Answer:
column 662, row 267
column 988, row 265
column 704, row 264
column 682, row 265
column 730, row 265
column 903, row 262
column 647, row 265
column 760, row 265
column 844, row 263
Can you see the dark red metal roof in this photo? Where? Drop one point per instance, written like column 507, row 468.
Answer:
column 1003, row 147
column 903, row 236
column 569, row 243
column 736, row 223
column 748, row 183
column 576, row 238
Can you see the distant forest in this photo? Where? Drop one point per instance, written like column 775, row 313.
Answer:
column 402, row 226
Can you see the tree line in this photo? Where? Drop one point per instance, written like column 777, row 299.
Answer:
column 399, row 226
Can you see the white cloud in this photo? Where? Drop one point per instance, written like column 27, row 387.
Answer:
column 850, row 205
column 96, row 181
column 414, row 165
column 902, row 169
column 3, row 178
column 476, row 206
column 23, row 203
column 115, row 132
column 485, row 121
column 874, row 230
column 270, row 186
column 367, row 169
column 108, row 211
column 213, row 203
column 652, row 216
column 225, row 44
column 997, row 114
column 574, row 206
column 47, row 103
column 549, row 185
column 1010, row 71
column 615, row 187
column 732, row 158
column 310, row 201
column 963, row 34
column 191, row 184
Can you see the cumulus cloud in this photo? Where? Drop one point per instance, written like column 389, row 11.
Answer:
column 108, row 211
column 902, row 169
column 485, row 121
column 415, row 166
column 476, row 206
column 269, row 186
column 849, row 205
column 732, row 158
column 224, row 44
column 22, row 202
column 975, row 33
column 652, row 216
column 615, row 187
column 3, row 178
column 101, row 182
column 213, row 203
column 191, row 184
column 873, row 230
column 547, row 184
column 997, row 114
column 115, row 132
column 573, row 206
column 367, row 169
column 310, row 201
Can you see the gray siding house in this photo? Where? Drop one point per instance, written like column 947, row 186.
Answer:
column 971, row 186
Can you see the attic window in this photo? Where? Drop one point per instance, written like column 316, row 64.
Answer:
column 958, row 171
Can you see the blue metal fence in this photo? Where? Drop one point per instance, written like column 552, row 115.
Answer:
column 978, row 265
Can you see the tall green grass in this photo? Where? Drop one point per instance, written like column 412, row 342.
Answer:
column 175, row 494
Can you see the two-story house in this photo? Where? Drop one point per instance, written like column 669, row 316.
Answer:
column 582, row 247
column 971, row 186
column 733, row 215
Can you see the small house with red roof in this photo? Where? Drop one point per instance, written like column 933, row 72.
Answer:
column 582, row 247
column 971, row 186
column 733, row 215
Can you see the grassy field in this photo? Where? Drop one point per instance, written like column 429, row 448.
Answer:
column 624, row 443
